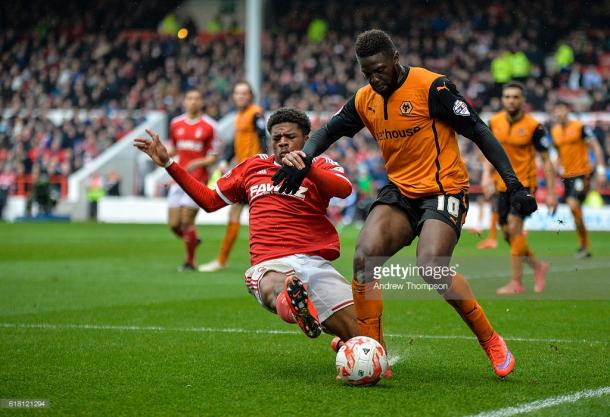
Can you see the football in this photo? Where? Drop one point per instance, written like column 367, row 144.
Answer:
column 361, row 361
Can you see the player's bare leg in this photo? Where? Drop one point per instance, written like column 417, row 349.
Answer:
column 435, row 248
column 189, row 236
column 342, row 324
column 490, row 242
column 584, row 250
column 386, row 230
column 228, row 242
column 173, row 221
column 521, row 253
column 286, row 295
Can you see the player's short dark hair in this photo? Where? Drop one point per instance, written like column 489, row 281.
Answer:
column 514, row 84
column 373, row 42
column 193, row 90
column 563, row 103
column 289, row 115
column 244, row 82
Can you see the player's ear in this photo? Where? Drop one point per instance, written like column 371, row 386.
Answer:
column 396, row 57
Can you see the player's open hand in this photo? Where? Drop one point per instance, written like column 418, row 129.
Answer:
column 523, row 202
column 295, row 159
column 153, row 148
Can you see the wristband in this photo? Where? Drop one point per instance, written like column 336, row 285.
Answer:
column 600, row 169
column 168, row 163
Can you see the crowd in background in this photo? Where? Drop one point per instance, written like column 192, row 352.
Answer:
column 93, row 58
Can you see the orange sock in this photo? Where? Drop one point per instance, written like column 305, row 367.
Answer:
column 581, row 230
column 227, row 244
column 462, row 299
column 518, row 246
column 369, row 307
column 493, row 226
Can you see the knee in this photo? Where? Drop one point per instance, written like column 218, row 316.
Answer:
column 366, row 257
column 513, row 230
column 176, row 228
column 185, row 224
column 433, row 267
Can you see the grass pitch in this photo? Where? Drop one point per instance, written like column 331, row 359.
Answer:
column 94, row 319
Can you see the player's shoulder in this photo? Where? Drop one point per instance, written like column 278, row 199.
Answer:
column 424, row 75
column 255, row 109
column 577, row 124
column 208, row 120
column 497, row 117
column 364, row 93
column 252, row 164
column 259, row 160
column 178, row 119
column 531, row 121
column 324, row 160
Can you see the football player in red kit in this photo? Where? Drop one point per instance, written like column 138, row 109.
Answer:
column 192, row 135
column 291, row 240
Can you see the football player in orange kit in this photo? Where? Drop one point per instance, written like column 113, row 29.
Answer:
column 573, row 141
column 250, row 139
column 414, row 115
column 521, row 136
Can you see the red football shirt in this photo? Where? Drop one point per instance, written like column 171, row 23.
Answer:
column 193, row 139
column 281, row 224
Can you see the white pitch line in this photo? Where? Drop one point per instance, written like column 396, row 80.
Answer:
column 545, row 403
column 162, row 329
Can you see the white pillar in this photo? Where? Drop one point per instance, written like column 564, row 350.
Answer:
column 254, row 27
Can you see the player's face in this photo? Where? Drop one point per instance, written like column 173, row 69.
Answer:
column 380, row 71
column 512, row 100
column 242, row 96
column 286, row 137
column 561, row 113
column 193, row 102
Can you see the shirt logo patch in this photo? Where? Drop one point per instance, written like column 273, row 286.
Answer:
column 521, row 131
column 460, row 108
column 180, row 131
column 405, row 108
column 198, row 133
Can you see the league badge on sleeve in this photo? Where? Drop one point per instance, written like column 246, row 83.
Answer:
column 460, row 108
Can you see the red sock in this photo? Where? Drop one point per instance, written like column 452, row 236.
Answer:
column 191, row 241
column 282, row 307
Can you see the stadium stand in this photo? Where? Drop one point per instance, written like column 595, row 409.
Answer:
column 112, row 62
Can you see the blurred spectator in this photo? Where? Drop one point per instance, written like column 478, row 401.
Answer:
column 113, row 183
column 7, row 181
column 42, row 193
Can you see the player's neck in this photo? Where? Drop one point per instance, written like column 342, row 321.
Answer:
column 191, row 117
column 514, row 117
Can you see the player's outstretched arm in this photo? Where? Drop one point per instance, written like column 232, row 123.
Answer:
column 200, row 193
column 447, row 104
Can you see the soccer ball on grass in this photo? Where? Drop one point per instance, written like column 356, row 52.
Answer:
column 361, row 361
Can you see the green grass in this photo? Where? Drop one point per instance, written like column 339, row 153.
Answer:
column 167, row 365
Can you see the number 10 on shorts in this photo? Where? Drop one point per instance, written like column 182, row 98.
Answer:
column 453, row 205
